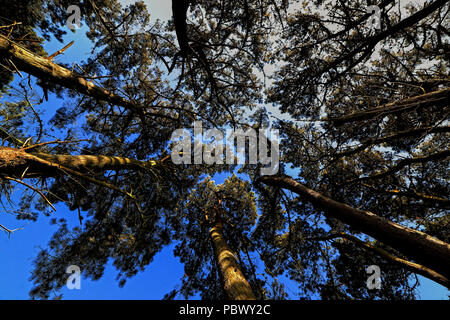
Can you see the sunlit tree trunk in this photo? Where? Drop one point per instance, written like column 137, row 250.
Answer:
column 43, row 68
column 15, row 161
column 235, row 284
column 419, row 246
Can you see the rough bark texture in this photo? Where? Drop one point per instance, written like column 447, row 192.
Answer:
column 93, row 161
column 234, row 282
column 15, row 162
column 421, row 247
column 43, row 68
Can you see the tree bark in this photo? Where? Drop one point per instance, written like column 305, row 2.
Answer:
column 419, row 246
column 179, row 13
column 42, row 68
column 235, row 284
column 392, row 137
column 403, row 163
column 408, row 265
column 15, row 162
column 440, row 97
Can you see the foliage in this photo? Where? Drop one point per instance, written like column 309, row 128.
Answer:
column 230, row 64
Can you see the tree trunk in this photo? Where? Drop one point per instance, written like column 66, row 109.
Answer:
column 392, row 137
column 15, row 162
column 43, row 68
column 408, row 265
column 179, row 14
column 234, row 282
column 425, row 249
column 440, row 97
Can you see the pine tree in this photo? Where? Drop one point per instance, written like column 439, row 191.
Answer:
column 364, row 149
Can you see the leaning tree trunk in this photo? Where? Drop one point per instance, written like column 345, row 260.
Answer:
column 43, row 68
column 17, row 162
column 419, row 246
column 234, row 283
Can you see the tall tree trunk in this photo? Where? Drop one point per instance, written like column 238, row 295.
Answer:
column 425, row 249
column 43, row 68
column 235, row 284
column 15, row 161
column 408, row 265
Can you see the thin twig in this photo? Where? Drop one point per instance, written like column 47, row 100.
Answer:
column 9, row 230
column 53, row 142
column 17, row 70
column 60, row 51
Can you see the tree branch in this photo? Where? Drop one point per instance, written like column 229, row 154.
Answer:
column 408, row 265
column 440, row 96
column 425, row 249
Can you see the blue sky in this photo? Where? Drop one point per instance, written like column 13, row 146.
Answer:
column 161, row 276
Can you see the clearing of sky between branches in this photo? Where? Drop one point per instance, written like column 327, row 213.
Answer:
column 363, row 119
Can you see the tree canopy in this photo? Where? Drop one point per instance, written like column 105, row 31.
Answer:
column 362, row 114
